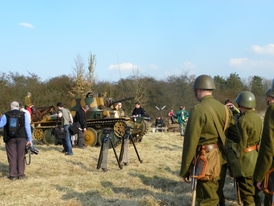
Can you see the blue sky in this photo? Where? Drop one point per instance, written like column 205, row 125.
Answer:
column 149, row 37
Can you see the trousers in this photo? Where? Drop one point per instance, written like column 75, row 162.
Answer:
column 15, row 149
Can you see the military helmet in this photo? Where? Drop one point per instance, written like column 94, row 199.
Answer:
column 204, row 82
column 246, row 99
column 272, row 85
column 270, row 92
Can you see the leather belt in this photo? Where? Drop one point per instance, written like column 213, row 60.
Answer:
column 254, row 147
column 210, row 147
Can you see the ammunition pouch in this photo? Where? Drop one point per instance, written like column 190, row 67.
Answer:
column 268, row 183
column 207, row 165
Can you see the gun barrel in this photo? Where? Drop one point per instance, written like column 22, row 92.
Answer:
column 121, row 100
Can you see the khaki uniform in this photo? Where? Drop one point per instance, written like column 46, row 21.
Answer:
column 266, row 152
column 250, row 127
column 201, row 130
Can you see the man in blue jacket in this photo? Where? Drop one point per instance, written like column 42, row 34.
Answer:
column 16, row 141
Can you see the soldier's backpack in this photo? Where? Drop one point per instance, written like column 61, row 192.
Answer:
column 13, row 123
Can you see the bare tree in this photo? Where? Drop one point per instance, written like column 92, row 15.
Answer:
column 91, row 67
column 82, row 83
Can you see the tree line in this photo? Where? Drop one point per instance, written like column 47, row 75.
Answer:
column 172, row 92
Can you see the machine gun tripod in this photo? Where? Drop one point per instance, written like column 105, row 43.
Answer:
column 103, row 156
column 124, row 147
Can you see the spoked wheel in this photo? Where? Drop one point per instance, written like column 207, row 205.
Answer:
column 119, row 129
column 37, row 134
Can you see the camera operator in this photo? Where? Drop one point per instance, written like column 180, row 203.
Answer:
column 236, row 112
column 16, row 144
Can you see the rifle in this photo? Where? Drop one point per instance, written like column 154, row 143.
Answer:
column 238, row 193
column 194, row 180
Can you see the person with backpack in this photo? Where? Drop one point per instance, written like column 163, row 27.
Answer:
column 17, row 135
column 182, row 116
column 67, row 119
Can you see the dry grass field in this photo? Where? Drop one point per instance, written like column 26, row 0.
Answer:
column 56, row 179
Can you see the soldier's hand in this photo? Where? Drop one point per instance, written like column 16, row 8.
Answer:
column 259, row 185
column 186, row 180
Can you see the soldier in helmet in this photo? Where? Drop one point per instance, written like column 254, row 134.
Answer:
column 250, row 127
column 266, row 152
column 202, row 133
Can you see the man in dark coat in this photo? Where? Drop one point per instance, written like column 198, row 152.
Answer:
column 139, row 111
column 81, row 118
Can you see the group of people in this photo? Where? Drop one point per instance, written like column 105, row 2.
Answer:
column 18, row 133
column 210, row 121
column 182, row 118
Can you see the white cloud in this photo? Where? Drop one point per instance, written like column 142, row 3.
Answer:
column 245, row 63
column 152, row 67
column 189, row 65
column 238, row 61
column 123, row 67
column 267, row 49
column 28, row 25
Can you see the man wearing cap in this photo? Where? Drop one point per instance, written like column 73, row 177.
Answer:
column 28, row 103
column 67, row 119
column 266, row 153
column 16, row 144
column 81, row 118
column 201, row 135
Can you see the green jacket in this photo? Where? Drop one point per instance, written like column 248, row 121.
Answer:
column 266, row 152
column 201, row 130
column 181, row 115
column 250, row 127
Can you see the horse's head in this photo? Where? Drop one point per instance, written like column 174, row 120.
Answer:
column 52, row 110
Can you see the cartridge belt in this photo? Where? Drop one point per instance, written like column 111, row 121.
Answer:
column 251, row 148
column 209, row 147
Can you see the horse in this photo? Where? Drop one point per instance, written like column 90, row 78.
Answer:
column 41, row 112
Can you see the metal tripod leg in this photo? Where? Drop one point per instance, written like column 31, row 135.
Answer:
column 115, row 154
column 130, row 137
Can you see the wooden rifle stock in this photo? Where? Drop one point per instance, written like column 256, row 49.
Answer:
column 194, row 180
column 194, row 186
column 238, row 193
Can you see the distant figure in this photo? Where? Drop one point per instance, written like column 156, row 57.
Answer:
column 170, row 114
column 66, row 121
column 182, row 116
column 81, row 118
column 121, row 112
column 138, row 111
column 28, row 103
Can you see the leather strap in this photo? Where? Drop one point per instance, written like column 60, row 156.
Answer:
column 218, row 126
column 210, row 147
column 252, row 148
